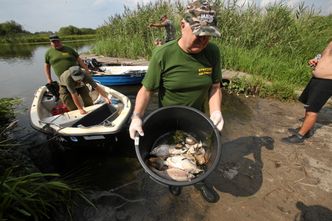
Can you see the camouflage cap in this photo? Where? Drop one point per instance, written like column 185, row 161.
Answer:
column 202, row 18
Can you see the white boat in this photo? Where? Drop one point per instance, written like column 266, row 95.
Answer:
column 101, row 121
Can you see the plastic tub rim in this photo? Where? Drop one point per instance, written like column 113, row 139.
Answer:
column 168, row 182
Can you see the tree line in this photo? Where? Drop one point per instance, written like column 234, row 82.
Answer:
column 13, row 28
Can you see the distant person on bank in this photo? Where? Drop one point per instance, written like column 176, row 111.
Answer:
column 170, row 31
column 314, row 96
column 73, row 84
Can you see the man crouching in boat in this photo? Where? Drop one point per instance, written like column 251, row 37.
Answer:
column 72, row 85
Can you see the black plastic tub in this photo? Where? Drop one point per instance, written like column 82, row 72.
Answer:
column 169, row 119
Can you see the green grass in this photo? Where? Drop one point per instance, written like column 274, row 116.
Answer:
column 7, row 106
column 35, row 196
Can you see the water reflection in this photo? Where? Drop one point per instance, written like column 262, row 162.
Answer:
column 17, row 52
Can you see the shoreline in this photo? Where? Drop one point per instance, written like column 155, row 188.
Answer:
column 226, row 74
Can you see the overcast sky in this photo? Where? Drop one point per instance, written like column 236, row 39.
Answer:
column 50, row 15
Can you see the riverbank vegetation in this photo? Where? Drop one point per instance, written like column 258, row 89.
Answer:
column 13, row 33
column 272, row 44
column 25, row 192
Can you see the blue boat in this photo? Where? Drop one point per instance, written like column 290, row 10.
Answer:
column 120, row 75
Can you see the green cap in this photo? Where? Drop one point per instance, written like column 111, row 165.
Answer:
column 202, row 18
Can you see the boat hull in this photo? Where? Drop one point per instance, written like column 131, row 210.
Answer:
column 120, row 75
column 101, row 122
column 116, row 80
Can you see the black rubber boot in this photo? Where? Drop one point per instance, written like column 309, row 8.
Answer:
column 175, row 190
column 208, row 193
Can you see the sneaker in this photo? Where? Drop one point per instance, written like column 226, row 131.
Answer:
column 295, row 138
column 293, row 131
column 209, row 194
column 175, row 190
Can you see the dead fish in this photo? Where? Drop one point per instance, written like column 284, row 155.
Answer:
column 177, row 151
column 161, row 150
column 157, row 162
column 166, row 150
column 174, row 174
column 192, row 148
column 183, row 163
column 190, row 140
column 189, row 156
column 200, row 159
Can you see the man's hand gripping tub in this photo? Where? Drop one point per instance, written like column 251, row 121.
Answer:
column 135, row 126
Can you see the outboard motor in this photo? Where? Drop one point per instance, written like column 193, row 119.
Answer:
column 93, row 64
column 53, row 88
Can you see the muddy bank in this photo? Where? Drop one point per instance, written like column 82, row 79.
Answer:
column 258, row 178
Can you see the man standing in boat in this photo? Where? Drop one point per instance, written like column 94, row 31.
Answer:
column 61, row 58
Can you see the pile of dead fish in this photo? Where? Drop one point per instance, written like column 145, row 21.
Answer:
column 182, row 161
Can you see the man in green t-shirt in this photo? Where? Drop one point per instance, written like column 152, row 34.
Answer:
column 61, row 58
column 186, row 72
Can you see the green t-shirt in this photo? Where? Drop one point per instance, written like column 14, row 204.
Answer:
column 183, row 79
column 71, row 85
column 61, row 59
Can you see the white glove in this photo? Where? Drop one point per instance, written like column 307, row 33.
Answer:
column 217, row 119
column 135, row 126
